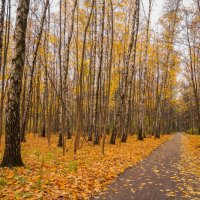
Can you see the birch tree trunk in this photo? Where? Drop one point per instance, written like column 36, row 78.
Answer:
column 29, row 95
column 2, row 16
column 145, row 71
column 12, row 153
column 3, row 63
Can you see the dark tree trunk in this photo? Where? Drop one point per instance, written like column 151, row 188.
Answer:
column 113, row 136
column 96, row 138
column 140, row 137
column 60, row 143
column 43, row 131
column 90, row 133
column 69, row 136
column 124, row 138
column 157, row 135
column 12, row 153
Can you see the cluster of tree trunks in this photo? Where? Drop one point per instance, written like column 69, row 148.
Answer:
column 93, row 71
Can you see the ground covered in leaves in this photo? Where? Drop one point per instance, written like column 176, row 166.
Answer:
column 49, row 175
column 191, row 153
column 190, row 165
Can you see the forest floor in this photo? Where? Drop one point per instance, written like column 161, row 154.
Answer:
column 168, row 168
column 49, row 175
column 170, row 172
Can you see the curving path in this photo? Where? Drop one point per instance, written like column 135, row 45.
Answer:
column 158, row 177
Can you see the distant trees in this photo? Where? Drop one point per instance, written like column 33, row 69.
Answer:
column 192, row 63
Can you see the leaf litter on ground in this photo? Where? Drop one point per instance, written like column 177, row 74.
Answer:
column 49, row 175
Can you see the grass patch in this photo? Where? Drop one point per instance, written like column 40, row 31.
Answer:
column 2, row 182
column 73, row 166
